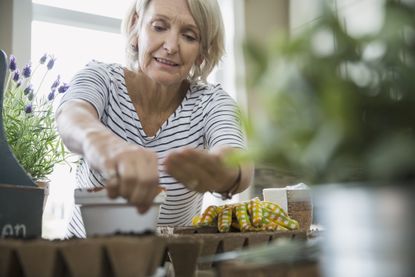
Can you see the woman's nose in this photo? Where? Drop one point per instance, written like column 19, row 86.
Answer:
column 171, row 43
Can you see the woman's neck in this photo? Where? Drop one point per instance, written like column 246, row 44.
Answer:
column 152, row 97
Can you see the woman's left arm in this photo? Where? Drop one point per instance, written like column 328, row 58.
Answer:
column 244, row 171
column 207, row 169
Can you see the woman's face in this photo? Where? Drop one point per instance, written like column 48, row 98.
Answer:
column 168, row 42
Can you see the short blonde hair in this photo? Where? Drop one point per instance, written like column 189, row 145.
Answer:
column 208, row 18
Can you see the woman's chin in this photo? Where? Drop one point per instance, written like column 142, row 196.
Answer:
column 164, row 80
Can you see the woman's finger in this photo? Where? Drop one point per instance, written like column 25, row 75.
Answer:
column 112, row 188
column 131, row 177
column 143, row 199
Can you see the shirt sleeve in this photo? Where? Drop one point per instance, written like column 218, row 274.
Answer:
column 222, row 122
column 91, row 84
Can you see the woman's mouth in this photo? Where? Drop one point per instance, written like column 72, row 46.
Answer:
column 166, row 62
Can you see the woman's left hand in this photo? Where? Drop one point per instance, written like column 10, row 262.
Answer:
column 202, row 170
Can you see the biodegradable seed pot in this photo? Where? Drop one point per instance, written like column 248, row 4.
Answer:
column 104, row 216
column 296, row 200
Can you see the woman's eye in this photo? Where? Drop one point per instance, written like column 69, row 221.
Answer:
column 158, row 28
column 190, row 37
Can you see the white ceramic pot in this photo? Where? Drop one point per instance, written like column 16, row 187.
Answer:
column 102, row 215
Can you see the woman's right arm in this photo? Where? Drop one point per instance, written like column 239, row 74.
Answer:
column 132, row 169
column 77, row 122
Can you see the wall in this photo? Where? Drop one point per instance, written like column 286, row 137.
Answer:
column 359, row 16
column 266, row 18
column 15, row 18
column 6, row 25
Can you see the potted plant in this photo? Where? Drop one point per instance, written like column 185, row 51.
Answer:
column 344, row 113
column 28, row 118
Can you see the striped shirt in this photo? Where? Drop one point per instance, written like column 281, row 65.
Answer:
column 206, row 118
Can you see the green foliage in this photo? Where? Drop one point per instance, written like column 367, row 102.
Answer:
column 340, row 112
column 30, row 126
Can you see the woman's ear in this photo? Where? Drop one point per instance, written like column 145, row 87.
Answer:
column 134, row 21
column 199, row 60
column 133, row 27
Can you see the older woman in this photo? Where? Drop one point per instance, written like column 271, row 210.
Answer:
column 157, row 122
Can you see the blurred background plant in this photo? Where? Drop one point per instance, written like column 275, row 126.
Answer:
column 332, row 107
column 28, row 118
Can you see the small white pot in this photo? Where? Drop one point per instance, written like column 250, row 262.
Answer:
column 102, row 215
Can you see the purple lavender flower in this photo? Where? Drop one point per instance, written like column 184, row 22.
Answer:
column 51, row 95
column 16, row 75
column 27, row 70
column 12, row 64
column 28, row 89
column 43, row 59
column 63, row 88
column 56, row 82
column 28, row 109
column 30, row 96
column 51, row 63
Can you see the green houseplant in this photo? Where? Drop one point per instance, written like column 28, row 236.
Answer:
column 342, row 114
column 342, row 111
column 28, row 117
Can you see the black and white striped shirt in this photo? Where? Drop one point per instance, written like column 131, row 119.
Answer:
column 205, row 119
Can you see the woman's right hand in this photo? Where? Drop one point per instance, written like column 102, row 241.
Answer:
column 130, row 171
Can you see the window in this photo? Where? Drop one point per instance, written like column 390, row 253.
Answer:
column 73, row 46
column 75, row 32
column 115, row 9
column 66, row 30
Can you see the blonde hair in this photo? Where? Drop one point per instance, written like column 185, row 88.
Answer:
column 208, row 18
